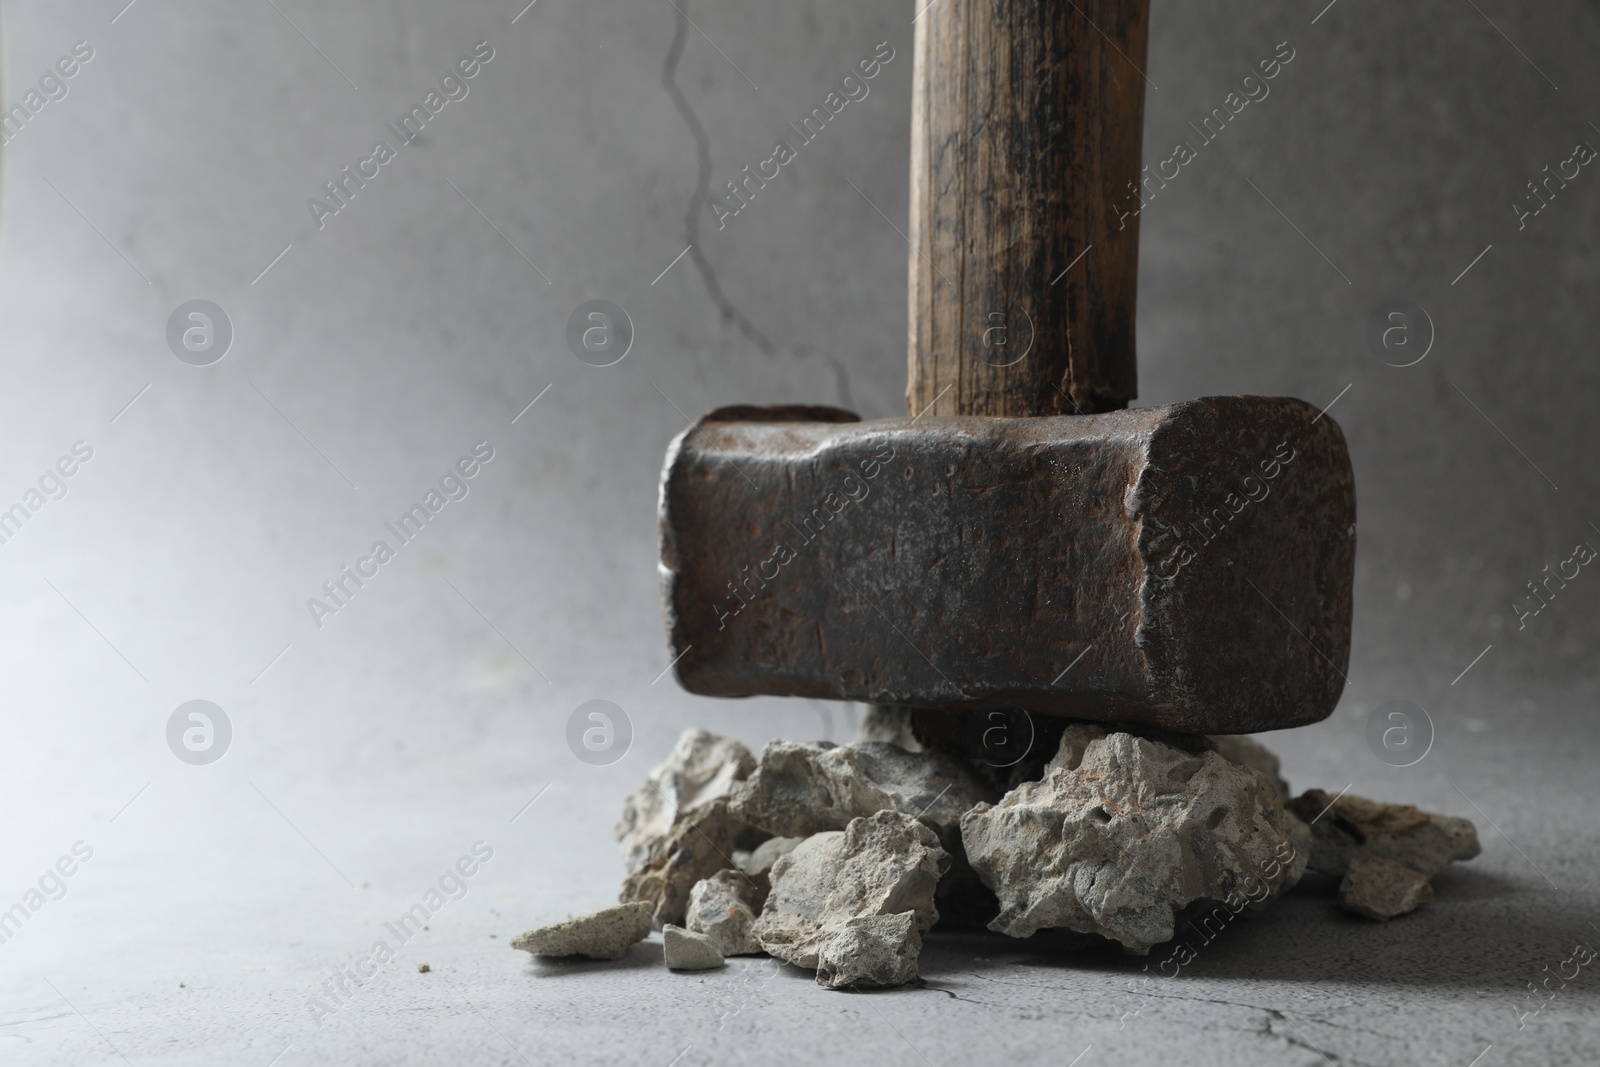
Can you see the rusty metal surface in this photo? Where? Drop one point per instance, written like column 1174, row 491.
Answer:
column 1187, row 567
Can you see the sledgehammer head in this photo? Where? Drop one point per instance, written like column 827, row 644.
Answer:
column 1185, row 567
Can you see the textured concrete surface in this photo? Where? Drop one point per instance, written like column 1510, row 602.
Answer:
column 369, row 755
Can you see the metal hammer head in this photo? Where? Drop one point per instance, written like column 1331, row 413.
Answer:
column 1186, row 567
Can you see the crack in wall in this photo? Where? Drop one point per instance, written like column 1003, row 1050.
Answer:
column 702, row 192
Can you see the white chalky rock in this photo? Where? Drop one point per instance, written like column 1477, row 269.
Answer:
column 767, row 853
column 1251, row 753
column 698, row 846
column 603, row 935
column 724, row 908
column 883, row 864
column 1123, row 833
column 1382, row 889
column 870, row 951
column 1352, row 826
column 685, row 950
column 798, row 790
column 701, row 768
column 888, row 722
column 676, row 828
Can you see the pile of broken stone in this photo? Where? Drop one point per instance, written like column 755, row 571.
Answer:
column 839, row 858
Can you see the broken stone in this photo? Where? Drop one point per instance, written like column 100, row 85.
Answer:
column 1354, row 826
column 882, row 864
column 890, row 723
column 1125, row 832
column 724, row 907
column 604, row 935
column 1251, row 753
column 767, row 853
column 685, row 950
column 697, row 847
column 1301, row 838
column 798, row 790
column 1382, row 889
column 701, row 768
column 875, row 951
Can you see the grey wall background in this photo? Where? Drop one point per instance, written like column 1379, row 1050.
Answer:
column 379, row 348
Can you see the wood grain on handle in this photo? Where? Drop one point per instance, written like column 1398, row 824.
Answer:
column 1027, row 118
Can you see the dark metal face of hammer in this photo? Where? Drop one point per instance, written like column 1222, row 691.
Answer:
column 1186, row 567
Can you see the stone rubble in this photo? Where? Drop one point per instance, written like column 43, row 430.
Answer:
column 1118, row 836
column 676, row 828
column 701, row 768
column 602, row 935
column 724, row 907
column 880, row 864
column 761, row 859
column 870, row 951
column 1238, row 748
column 1124, row 833
column 798, row 790
column 698, row 846
column 1382, row 889
column 888, row 722
column 1354, row 826
column 685, row 950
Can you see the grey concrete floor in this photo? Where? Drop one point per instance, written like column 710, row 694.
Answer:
column 208, row 922
column 370, row 752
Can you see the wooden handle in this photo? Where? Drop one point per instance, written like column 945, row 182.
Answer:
column 1027, row 117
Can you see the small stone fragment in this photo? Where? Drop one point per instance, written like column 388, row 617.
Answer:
column 423, row 968
column 685, row 950
column 874, row 951
column 769, row 852
column 1241, row 749
column 603, row 935
column 1354, row 826
column 701, row 768
column 724, row 907
column 1125, row 832
column 798, row 790
column 882, row 864
column 888, row 722
column 697, row 847
column 1300, row 837
column 1382, row 889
